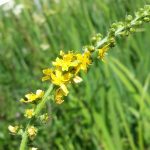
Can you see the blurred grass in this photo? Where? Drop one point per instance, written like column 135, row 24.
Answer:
column 112, row 108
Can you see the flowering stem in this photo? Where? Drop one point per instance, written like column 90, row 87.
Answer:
column 102, row 42
column 38, row 109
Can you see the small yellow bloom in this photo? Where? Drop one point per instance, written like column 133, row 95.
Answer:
column 59, row 78
column 103, row 51
column 66, row 62
column 13, row 129
column 29, row 113
column 32, row 131
column 85, row 60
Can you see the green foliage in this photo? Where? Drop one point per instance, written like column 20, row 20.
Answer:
column 110, row 110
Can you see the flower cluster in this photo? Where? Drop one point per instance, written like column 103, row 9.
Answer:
column 65, row 70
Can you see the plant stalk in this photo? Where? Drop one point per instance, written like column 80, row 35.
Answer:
column 38, row 109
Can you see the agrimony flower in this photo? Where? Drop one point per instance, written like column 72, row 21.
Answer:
column 84, row 60
column 65, row 70
column 29, row 113
column 32, row 132
column 67, row 61
column 103, row 51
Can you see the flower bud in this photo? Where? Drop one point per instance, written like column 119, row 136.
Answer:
column 44, row 118
column 91, row 48
column 114, row 25
column 112, row 31
column 146, row 19
column 132, row 30
column 129, row 18
column 93, row 40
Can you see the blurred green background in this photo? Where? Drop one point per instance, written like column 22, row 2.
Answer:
column 110, row 110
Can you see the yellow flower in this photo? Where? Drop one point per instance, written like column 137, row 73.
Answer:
column 66, row 62
column 103, row 51
column 13, row 129
column 29, row 113
column 31, row 97
column 32, row 131
column 84, row 60
column 65, row 69
column 59, row 78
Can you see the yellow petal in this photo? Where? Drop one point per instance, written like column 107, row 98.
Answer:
column 75, row 63
column 67, row 77
column 31, row 96
column 65, row 67
column 47, row 71
column 61, row 53
column 64, row 88
column 58, row 73
column 39, row 93
column 57, row 62
column 102, row 52
column 77, row 79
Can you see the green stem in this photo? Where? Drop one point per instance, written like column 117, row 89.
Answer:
column 24, row 139
column 38, row 109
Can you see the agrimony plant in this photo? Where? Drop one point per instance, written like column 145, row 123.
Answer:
column 66, row 70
